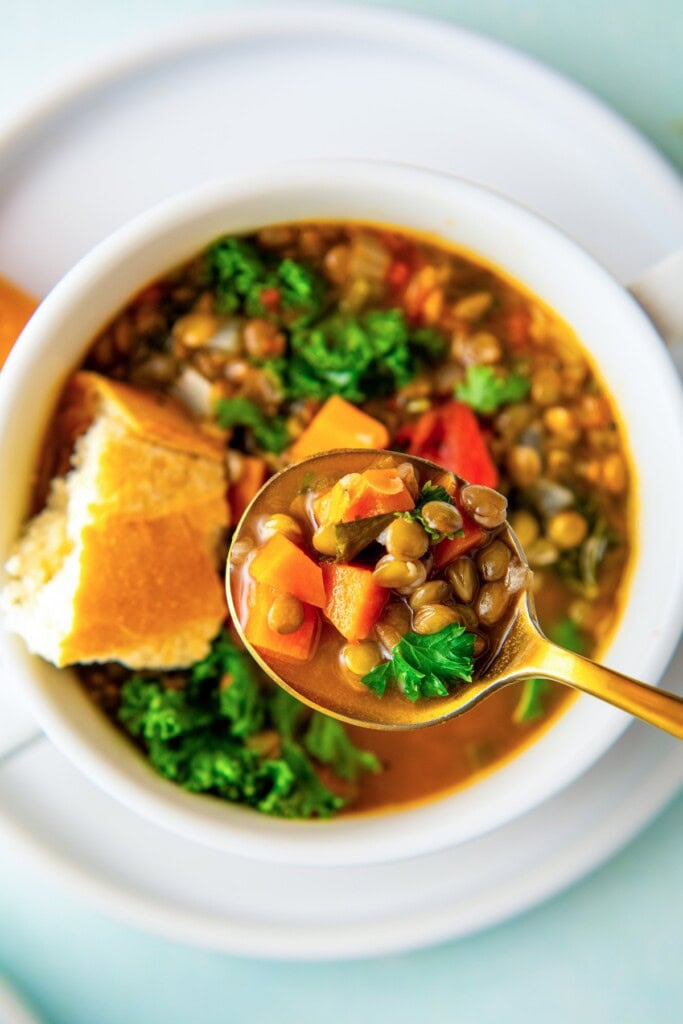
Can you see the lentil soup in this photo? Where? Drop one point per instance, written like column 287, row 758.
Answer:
column 307, row 337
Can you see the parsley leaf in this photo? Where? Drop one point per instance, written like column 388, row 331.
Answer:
column 357, row 357
column 200, row 730
column 269, row 432
column 430, row 492
column 424, row 666
column 484, row 390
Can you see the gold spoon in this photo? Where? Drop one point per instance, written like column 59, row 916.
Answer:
column 521, row 651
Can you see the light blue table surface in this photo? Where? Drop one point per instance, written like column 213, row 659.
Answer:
column 608, row 950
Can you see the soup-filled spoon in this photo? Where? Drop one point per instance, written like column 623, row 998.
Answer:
column 385, row 591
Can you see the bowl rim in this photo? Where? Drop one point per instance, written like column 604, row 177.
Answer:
column 358, row 839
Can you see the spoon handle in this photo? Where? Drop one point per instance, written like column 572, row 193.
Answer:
column 652, row 705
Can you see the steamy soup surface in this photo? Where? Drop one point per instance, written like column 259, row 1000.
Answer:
column 266, row 349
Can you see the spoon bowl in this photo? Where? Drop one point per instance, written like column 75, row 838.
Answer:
column 517, row 648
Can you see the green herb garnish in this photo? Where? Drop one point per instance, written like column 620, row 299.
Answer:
column 430, row 492
column 357, row 357
column 484, row 390
column 270, row 433
column 243, row 276
column 202, row 734
column 424, row 666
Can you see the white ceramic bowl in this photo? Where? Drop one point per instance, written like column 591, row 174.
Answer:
column 628, row 353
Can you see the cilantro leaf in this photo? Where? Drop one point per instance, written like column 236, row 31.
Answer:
column 430, row 492
column 484, row 390
column 269, row 433
column 196, row 729
column 424, row 666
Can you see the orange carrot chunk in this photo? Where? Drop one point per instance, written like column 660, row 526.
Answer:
column 297, row 645
column 340, row 425
column 446, row 551
column 15, row 309
column 284, row 566
column 354, row 601
column 242, row 491
column 375, row 492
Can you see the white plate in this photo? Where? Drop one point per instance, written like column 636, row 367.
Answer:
column 234, row 94
column 13, row 1010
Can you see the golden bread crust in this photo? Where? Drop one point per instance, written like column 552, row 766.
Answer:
column 149, row 414
column 144, row 585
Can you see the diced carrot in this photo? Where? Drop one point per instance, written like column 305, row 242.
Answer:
column 297, row 645
column 354, row 600
column 15, row 309
column 241, row 492
column 446, row 551
column 374, row 492
column 340, row 425
column 517, row 323
column 285, row 567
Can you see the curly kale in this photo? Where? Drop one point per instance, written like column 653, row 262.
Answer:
column 357, row 357
column 247, row 280
column 201, row 730
column 361, row 356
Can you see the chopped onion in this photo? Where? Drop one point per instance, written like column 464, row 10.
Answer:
column 194, row 391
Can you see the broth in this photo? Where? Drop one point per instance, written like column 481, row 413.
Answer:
column 410, row 331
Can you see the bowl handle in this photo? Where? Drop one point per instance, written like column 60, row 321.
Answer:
column 659, row 290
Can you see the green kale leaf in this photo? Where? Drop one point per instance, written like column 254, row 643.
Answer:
column 425, row 666
column 485, row 391
column 357, row 357
column 238, row 272
column 198, row 730
column 327, row 741
column 241, row 274
column 270, row 433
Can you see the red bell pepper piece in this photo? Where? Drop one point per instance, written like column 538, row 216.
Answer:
column 451, row 436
